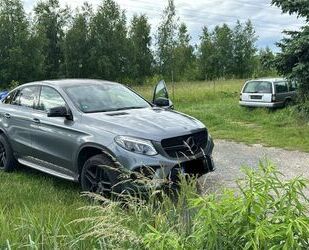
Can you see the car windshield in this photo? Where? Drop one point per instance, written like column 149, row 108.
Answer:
column 258, row 87
column 94, row 98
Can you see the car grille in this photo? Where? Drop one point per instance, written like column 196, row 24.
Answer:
column 186, row 145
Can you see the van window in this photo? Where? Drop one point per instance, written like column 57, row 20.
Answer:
column 258, row 87
column 281, row 87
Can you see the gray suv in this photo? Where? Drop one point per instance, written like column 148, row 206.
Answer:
column 71, row 128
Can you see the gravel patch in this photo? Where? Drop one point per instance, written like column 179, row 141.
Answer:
column 230, row 156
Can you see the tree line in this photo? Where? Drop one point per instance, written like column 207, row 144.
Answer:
column 58, row 42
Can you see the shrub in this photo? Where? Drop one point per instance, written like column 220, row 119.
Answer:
column 266, row 212
column 303, row 110
column 153, row 80
column 13, row 85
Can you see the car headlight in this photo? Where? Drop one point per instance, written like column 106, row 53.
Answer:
column 136, row 145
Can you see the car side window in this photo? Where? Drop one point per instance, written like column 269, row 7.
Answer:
column 50, row 98
column 9, row 98
column 25, row 97
column 281, row 87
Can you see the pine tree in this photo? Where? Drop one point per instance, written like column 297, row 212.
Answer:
column 14, row 36
column 50, row 20
column 293, row 61
column 109, row 44
column 244, row 49
column 140, row 39
column 206, row 56
column 184, row 59
column 77, row 44
column 166, row 41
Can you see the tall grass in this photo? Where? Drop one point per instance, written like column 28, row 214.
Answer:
column 265, row 213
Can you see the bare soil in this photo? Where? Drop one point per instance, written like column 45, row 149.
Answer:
column 230, row 156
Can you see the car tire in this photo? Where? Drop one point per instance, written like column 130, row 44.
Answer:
column 7, row 160
column 100, row 175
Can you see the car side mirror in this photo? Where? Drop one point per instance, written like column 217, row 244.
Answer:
column 161, row 96
column 163, row 103
column 60, row 111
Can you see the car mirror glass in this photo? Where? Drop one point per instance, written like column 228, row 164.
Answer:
column 161, row 96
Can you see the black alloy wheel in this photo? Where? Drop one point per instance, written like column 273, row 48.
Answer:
column 97, row 180
column 99, row 175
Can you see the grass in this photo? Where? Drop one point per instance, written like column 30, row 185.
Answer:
column 267, row 213
column 35, row 207
column 216, row 105
column 37, row 210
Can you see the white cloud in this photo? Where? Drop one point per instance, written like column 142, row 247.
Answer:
column 268, row 20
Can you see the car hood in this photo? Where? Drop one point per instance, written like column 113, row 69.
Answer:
column 148, row 123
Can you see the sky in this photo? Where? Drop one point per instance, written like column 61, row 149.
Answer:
column 268, row 20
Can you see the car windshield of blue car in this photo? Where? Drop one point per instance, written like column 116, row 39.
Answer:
column 95, row 98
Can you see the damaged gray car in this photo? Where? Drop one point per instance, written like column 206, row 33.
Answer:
column 71, row 128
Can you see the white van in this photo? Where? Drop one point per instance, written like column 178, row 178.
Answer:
column 269, row 93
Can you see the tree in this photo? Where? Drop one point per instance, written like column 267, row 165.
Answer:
column 50, row 20
column 301, row 8
column 109, row 43
column 223, row 54
column 142, row 58
column 166, row 40
column 77, row 44
column 183, row 55
column 293, row 61
column 14, row 36
column 266, row 61
column 244, row 49
column 206, row 56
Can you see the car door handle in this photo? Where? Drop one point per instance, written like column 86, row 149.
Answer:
column 7, row 115
column 36, row 120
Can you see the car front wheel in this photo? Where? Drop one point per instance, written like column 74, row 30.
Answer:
column 100, row 175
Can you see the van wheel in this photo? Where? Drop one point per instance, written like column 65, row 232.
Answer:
column 98, row 176
column 7, row 161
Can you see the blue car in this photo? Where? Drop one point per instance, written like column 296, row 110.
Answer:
column 3, row 94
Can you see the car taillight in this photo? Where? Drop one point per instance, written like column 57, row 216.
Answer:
column 240, row 97
column 273, row 98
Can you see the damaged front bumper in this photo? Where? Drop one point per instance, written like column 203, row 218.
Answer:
column 161, row 165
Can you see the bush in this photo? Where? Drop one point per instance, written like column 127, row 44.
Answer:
column 265, row 213
column 13, row 85
column 303, row 110
column 153, row 80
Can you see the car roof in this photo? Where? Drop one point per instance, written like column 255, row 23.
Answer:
column 71, row 82
column 269, row 79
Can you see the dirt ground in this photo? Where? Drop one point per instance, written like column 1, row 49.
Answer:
column 230, row 156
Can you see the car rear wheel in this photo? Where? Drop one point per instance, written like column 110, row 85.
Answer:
column 100, row 175
column 7, row 160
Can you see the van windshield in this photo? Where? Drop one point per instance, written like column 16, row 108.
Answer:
column 258, row 87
